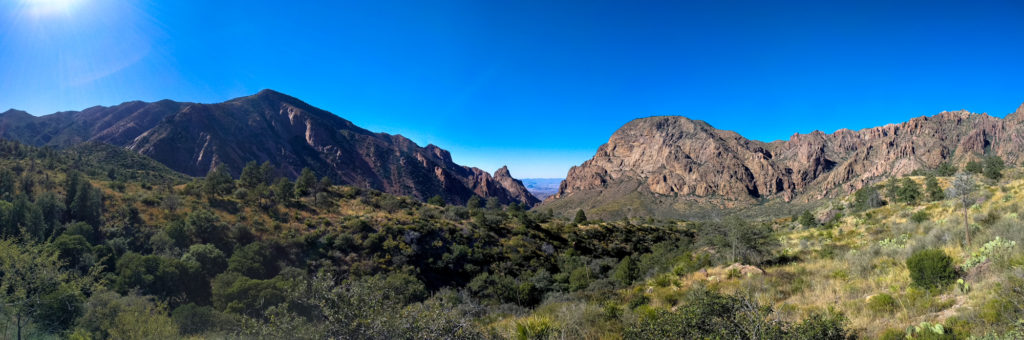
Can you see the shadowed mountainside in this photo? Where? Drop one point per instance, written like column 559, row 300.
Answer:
column 268, row 127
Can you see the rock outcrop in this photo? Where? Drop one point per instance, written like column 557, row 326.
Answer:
column 669, row 160
column 269, row 126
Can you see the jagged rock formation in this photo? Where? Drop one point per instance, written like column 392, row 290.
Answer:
column 671, row 162
column 269, row 126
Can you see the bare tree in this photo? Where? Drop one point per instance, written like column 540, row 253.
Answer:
column 962, row 189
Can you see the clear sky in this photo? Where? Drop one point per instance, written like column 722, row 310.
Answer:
column 537, row 85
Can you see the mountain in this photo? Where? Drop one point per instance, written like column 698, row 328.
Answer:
column 542, row 187
column 268, row 127
column 670, row 166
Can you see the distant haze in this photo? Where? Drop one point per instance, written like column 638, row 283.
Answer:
column 542, row 187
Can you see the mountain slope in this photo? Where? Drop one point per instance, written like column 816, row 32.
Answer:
column 269, row 126
column 668, row 165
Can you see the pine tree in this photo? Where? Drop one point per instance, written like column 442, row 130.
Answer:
column 218, row 182
column 251, row 176
column 267, row 173
column 304, row 184
column 284, row 190
column 71, row 184
column 87, row 206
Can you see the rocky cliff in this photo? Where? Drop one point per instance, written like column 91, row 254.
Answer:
column 269, row 126
column 662, row 165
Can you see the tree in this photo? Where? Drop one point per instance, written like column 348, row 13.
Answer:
column 973, row 167
column 436, row 200
column 251, row 176
column 945, row 169
column 72, row 182
column 7, row 179
column 738, row 240
column 284, row 190
column 807, row 219
column 206, row 259
column 493, row 203
column 580, row 218
column 321, row 188
column 909, row 191
column 218, row 182
column 32, row 281
column 304, row 184
column 87, row 205
column 71, row 250
column 323, row 184
column 626, row 271
column 993, row 167
column 254, row 260
column 932, row 189
column 203, row 226
column 152, row 274
column 108, row 315
column 866, row 198
column 52, row 209
column 267, row 173
column 892, row 189
column 962, row 189
column 474, row 202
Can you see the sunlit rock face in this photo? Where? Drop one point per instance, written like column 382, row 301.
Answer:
column 677, row 157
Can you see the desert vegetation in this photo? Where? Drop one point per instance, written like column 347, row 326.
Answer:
column 102, row 243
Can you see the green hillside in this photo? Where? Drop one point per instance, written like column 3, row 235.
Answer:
column 100, row 243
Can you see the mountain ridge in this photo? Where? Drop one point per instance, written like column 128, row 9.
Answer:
column 667, row 164
column 194, row 138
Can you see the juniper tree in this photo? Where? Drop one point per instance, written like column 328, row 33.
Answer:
column 581, row 217
column 909, row 191
column 993, row 167
column 932, row 189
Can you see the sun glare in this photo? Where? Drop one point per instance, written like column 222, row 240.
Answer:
column 50, row 7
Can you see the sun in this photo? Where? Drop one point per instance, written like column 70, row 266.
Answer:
column 50, row 7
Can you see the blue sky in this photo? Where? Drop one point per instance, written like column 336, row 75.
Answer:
column 537, row 85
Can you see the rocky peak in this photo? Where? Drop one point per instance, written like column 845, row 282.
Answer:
column 514, row 187
column 268, row 126
column 14, row 113
column 503, row 172
column 674, row 159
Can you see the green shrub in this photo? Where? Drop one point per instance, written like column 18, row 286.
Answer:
column 535, row 328
column 919, row 216
column 882, row 304
column 827, row 325
column 807, row 219
column 930, row 268
column 893, row 334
